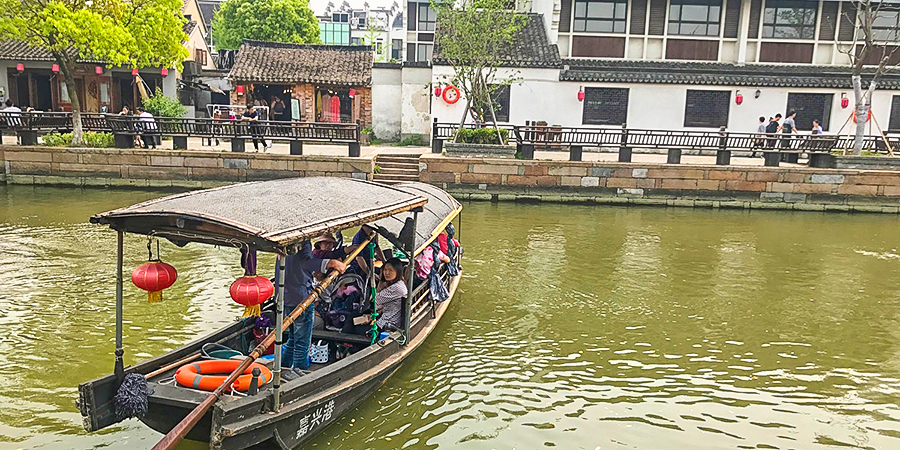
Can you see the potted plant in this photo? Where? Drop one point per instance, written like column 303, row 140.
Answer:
column 365, row 136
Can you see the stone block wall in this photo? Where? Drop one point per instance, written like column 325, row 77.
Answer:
column 166, row 168
column 664, row 184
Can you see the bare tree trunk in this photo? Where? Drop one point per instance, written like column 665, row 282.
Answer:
column 71, row 87
column 862, row 110
column 491, row 107
column 462, row 121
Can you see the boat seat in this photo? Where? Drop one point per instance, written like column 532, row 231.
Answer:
column 341, row 337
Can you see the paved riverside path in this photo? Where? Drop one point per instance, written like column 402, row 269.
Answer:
column 283, row 148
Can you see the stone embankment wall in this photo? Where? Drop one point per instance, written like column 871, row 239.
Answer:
column 165, row 168
column 664, row 184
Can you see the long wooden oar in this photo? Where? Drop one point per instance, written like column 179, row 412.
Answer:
column 175, row 435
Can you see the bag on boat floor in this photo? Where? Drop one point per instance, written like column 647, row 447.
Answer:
column 318, row 353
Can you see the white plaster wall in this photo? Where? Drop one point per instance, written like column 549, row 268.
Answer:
column 386, row 103
column 651, row 106
column 415, row 95
column 4, row 79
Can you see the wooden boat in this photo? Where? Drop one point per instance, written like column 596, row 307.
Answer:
column 277, row 216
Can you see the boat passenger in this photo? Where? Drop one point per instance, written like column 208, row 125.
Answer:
column 325, row 246
column 361, row 264
column 389, row 294
column 424, row 261
column 298, row 282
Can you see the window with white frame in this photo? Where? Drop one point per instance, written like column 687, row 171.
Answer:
column 790, row 19
column 600, row 16
column 695, row 17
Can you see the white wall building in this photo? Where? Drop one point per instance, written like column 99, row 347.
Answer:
column 681, row 64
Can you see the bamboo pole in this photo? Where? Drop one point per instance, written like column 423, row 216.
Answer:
column 176, row 434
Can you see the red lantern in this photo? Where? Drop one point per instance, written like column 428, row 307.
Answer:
column 352, row 93
column 134, row 72
column 164, row 72
column 738, row 98
column 251, row 292
column 580, row 95
column 20, row 67
column 98, row 70
column 437, row 91
column 54, row 68
column 153, row 277
column 845, row 102
column 239, row 89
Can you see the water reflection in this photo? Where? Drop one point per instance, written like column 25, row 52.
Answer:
column 575, row 327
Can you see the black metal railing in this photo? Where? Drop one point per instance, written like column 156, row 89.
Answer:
column 28, row 125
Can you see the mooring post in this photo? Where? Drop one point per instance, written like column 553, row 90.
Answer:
column 279, row 320
column 624, row 149
column 437, row 145
column 723, row 155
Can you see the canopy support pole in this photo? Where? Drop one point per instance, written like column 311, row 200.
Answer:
column 120, row 365
column 279, row 319
column 410, row 278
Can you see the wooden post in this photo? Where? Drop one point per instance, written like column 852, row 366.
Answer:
column 437, row 144
column 575, row 152
column 120, row 367
column 674, row 156
column 624, row 150
column 723, row 155
column 296, row 147
column 237, row 145
column 279, row 335
column 179, row 142
column 411, row 269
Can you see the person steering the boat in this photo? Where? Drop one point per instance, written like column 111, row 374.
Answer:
column 298, row 283
column 326, row 246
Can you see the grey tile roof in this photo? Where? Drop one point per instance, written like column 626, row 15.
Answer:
column 189, row 27
column 274, row 62
column 15, row 50
column 704, row 73
column 530, row 47
column 208, row 10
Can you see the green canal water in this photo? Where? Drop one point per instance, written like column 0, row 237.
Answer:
column 575, row 327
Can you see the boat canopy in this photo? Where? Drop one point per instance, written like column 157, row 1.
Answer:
column 273, row 216
column 440, row 210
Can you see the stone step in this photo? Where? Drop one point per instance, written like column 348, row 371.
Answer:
column 397, row 178
column 400, row 170
column 396, row 160
column 409, row 165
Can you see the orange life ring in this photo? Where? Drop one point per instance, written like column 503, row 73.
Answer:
column 868, row 116
column 199, row 375
column 451, row 99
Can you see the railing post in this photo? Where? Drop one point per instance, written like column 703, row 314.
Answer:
column 354, row 150
column 437, row 144
column 296, row 147
column 674, row 156
column 237, row 144
column 575, row 152
column 179, row 142
column 723, row 155
column 624, row 149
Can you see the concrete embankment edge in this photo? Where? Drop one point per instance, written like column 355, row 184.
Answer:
column 746, row 187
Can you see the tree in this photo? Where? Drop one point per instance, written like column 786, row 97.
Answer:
column 869, row 49
column 265, row 20
column 120, row 32
column 472, row 37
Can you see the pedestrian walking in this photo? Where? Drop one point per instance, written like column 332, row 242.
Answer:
column 817, row 127
column 759, row 141
column 788, row 128
column 772, row 130
column 252, row 115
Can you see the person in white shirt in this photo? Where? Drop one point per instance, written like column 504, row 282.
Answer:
column 12, row 114
column 148, row 127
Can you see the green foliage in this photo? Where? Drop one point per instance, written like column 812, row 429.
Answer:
column 481, row 136
column 377, row 169
column 162, row 106
column 412, row 140
column 366, row 130
column 264, row 20
column 91, row 139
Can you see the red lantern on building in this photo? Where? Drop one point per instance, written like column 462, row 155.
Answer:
column 164, row 72
column 239, row 89
column 251, row 292
column 134, row 72
column 20, row 67
column 153, row 277
column 98, row 70
column 54, row 68
column 580, row 94
column 352, row 93
column 437, row 91
column 845, row 102
column 738, row 98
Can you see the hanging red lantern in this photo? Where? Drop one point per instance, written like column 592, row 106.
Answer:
column 134, row 72
column 98, row 70
column 164, row 72
column 251, row 292
column 54, row 68
column 739, row 98
column 580, row 94
column 352, row 93
column 20, row 67
column 845, row 102
column 239, row 89
column 437, row 91
column 153, row 277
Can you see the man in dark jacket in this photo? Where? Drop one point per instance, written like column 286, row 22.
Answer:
column 772, row 130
